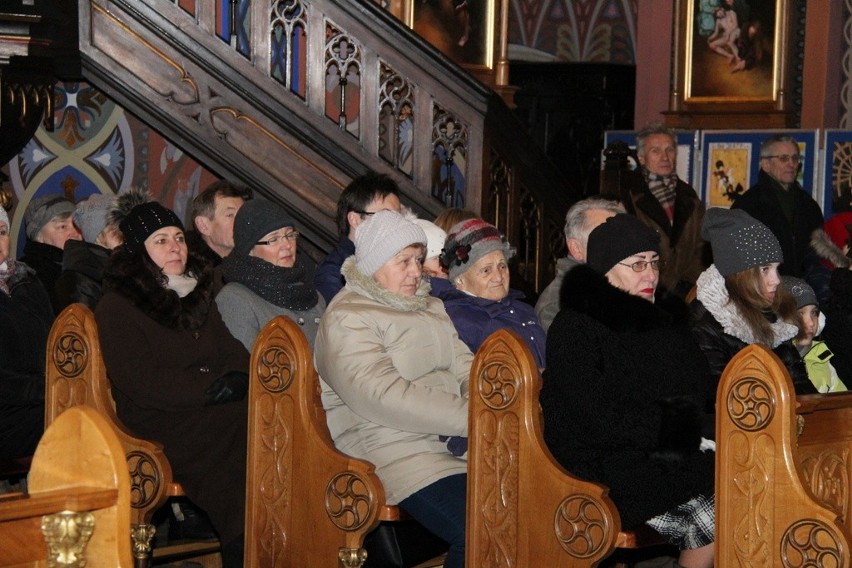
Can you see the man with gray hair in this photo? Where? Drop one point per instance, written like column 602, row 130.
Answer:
column 580, row 220
column 779, row 202
column 660, row 199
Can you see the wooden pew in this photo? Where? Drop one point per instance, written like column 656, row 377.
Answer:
column 77, row 509
column 76, row 376
column 782, row 468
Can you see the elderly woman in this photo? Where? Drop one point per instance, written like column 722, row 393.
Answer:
column 178, row 376
column 265, row 275
column 395, row 377
column 476, row 259
column 25, row 320
column 738, row 299
column 624, row 390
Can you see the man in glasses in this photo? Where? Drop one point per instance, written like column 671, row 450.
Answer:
column 668, row 205
column 779, row 202
column 363, row 197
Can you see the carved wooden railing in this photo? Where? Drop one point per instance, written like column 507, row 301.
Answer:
column 782, row 469
column 306, row 94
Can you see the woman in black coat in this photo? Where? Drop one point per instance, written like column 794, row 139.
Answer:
column 624, row 390
column 178, row 376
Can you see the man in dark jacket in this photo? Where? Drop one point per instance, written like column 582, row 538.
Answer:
column 364, row 196
column 212, row 215
column 780, row 203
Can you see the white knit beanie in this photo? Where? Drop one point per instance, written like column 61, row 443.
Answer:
column 4, row 217
column 435, row 237
column 381, row 236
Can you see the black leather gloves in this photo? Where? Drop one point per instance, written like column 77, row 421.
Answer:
column 230, row 387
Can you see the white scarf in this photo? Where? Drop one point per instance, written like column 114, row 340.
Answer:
column 182, row 284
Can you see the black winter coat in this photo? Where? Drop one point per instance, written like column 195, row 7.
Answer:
column 82, row 275
column 623, row 397
column 25, row 320
column 838, row 323
column 761, row 203
column 46, row 260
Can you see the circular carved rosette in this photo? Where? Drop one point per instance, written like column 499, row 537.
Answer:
column 145, row 479
column 810, row 543
column 275, row 368
column 751, row 405
column 70, row 354
column 348, row 501
column 581, row 526
column 499, row 385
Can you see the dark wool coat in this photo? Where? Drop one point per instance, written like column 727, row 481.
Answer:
column 25, row 320
column 82, row 275
column 476, row 318
column 761, row 203
column 623, row 397
column 681, row 245
column 161, row 353
column 46, row 260
column 838, row 323
column 327, row 279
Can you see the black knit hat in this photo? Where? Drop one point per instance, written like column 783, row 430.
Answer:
column 739, row 241
column 143, row 220
column 256, row 218
column 617, row 238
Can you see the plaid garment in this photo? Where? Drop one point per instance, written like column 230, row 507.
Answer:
column 691, row 525
column 663, row 188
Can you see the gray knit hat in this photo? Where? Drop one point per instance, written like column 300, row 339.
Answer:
column 739, row 241
column 381, row 236
column 801, row 290
column 42, row 210
column 467, row 242
column 617, row 238
column 91, row 215
column 256, row 218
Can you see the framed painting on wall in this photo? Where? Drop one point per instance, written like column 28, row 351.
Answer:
column 462, row 29
column 837, row 172
column 730, row 162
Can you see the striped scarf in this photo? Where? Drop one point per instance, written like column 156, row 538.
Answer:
column 663, row 188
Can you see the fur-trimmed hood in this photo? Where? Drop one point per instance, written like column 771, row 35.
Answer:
column 128, row 276
column 587, row 292
column 825, row 248
column 714, row 296
column 366, row 286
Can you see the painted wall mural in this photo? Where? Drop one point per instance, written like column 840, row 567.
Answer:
column 600, row 31
column 97, row 147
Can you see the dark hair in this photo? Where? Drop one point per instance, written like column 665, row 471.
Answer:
column 745, row 291
column 204, row 204
column 360, row 192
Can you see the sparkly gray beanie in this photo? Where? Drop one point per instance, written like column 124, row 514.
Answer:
column 800, row 290
column 91, row 215
column 739, row 241
column 42, row 210
column 381, row 236
column 256, row 218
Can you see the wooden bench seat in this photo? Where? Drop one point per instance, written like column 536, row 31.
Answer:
column 78, row 506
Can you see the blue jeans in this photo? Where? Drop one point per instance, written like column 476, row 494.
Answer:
column 440, row 508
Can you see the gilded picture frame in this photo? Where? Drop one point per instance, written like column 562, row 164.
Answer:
column 732, row 55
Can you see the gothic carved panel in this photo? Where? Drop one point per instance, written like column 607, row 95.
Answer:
column 751, row 404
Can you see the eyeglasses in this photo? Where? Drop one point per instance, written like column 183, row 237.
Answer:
column 291, row 236
column 364, row 212
column 786, row 158
column 641, row 265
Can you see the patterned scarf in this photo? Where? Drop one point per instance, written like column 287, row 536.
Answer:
column 7, row 269
column 284, row 287
column 663, row 188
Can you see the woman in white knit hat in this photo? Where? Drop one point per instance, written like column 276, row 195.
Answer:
column 395, row 378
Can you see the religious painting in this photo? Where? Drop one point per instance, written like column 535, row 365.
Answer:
column 727, row 172
column 837, row 172
column 462, row 29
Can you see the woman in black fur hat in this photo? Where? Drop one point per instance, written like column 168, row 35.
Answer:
column 625, row 388
column 178, row 376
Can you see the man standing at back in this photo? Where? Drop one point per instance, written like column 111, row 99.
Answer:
column 668, row 205
column 212, row 215
column 364, row 196
column 581, row 219
column 779, row 202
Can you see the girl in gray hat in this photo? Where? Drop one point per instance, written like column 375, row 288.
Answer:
column 739, row 300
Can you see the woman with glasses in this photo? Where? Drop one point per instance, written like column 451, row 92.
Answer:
column 476, row 256
column 738, row 299
column 624, row 390
column 264, row 275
